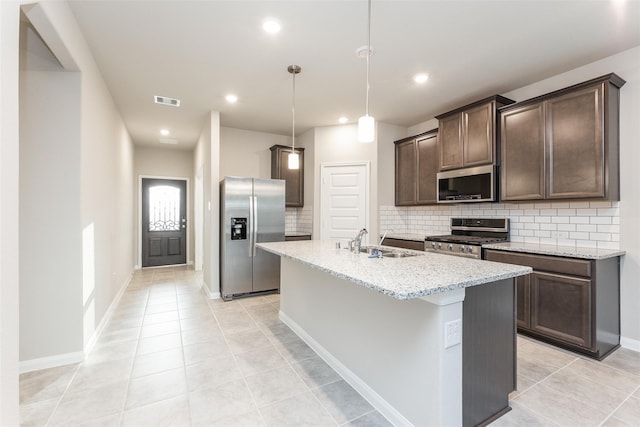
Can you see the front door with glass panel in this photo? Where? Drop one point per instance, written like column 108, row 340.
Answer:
column 164, row 222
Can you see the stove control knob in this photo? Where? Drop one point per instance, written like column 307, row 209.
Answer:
column 469, row 249
column 434, row 245
column 462, row 248
column 450, row 247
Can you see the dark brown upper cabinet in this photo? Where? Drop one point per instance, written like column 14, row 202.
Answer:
column 415, row 169
column 563, row 145
column 467, row 135
column 294, row 178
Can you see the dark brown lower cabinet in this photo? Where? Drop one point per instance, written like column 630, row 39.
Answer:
column 523, row 304
column 570, row 302
column 294, row 238
column 561, row 307
column 404, row 244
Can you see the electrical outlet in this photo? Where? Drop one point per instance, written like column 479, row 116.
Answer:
column 452, row 333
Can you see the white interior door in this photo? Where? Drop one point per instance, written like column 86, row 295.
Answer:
column 344, row 202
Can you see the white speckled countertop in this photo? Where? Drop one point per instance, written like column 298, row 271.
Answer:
column 400, row 278
column 565, row 251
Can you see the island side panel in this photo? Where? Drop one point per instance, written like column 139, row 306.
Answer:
column 391, row 351
column 489, row 351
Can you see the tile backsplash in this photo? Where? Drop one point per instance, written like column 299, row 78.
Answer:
column 298, row 220
column 583, row 224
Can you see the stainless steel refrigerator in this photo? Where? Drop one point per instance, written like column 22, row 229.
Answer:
column 251, row 211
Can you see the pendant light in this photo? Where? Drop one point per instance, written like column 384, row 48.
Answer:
column 366, row 123
column 293, row 160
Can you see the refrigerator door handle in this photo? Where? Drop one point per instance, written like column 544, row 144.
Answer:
column 255, row 224
column 251, row 227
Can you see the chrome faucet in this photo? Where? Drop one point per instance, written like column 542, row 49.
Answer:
column 358, row 240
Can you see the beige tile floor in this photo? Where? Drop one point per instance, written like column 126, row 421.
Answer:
column 172, row 357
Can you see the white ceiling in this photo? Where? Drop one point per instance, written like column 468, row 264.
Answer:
column 198, row 51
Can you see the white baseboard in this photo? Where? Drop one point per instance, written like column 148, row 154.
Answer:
column 381, row 405
column 50, row 362
column 630, row 343
column 79, row 356
column 211, row 295
column 107, row 316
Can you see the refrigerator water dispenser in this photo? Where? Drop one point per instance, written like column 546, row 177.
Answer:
column 238, row 228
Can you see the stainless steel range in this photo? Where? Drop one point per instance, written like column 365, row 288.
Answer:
column 468, row 235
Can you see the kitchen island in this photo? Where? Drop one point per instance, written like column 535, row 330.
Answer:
column 427, row 339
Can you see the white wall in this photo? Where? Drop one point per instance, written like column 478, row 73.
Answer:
column 51, row 309
column 246, row 153
column 627, row 211
column 339, row 144
column 9, row 157
column 105, row 176
column 165, row 163
column 207, row 155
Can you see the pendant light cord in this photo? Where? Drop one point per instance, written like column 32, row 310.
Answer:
column 293, row 113
column 366, row 107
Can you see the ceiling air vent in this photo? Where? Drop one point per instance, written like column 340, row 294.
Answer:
column 166, row 101
column 171, row 141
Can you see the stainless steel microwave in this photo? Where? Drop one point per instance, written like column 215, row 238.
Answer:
column 476, row 184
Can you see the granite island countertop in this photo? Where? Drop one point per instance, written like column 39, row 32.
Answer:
column 564, row 251
column 401, row 278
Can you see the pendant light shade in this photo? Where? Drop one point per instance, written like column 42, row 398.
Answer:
column 366, row 123
column 366, row 129
column 293, row 160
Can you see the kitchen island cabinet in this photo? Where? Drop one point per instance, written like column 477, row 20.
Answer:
column 563, row 145
column 427, row 339
column 567, row 301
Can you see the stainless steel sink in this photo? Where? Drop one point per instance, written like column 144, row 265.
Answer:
column 397, row 254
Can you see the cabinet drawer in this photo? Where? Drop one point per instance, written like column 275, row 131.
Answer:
column 570, row 266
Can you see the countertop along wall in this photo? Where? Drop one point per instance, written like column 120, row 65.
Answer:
column 611, row 225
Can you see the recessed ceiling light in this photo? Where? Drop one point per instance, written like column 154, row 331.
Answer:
column 165, row 100
column 271, row 26
column 421, row 78
column 231, row 98
column 164, row 132
column 343, row 120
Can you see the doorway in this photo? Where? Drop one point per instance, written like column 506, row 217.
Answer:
column 344, row 202
column 164, row 222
